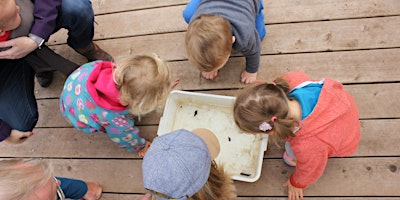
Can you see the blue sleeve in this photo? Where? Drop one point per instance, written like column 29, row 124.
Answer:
column 260, row 25
column 191, row 7
column 72, row 188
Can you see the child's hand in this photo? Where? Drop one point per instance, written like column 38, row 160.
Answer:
column 294, row 193
column 174, row 82
column 146, row 197
column 247, row 77
column 142, row 152
column 94, row 191
column 18, row 137
column 210, row 75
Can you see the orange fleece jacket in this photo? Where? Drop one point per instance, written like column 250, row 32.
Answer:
column 332, row 129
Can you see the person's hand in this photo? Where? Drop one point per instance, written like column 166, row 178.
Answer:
column 294, row 193
column 174, row 82
column 147, row 196
column 18, row 137
column 20, row 47
column 94, row 191
column 247, row 77
column 142, row 152
column 210, row 75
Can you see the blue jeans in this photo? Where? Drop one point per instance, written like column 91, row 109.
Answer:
column 18, row 106
column 77, row 17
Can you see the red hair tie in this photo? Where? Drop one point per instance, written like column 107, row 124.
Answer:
column 273, row 118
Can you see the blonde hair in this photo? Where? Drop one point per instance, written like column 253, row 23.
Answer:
column 208, row 42
column 19, row 179
column 144, row 83
column 219, row 186
column 265, row 102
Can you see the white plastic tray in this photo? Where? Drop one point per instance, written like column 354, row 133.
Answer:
column 241, row 154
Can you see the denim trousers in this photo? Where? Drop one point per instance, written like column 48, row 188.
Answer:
column 77, row 17
column 18, row 106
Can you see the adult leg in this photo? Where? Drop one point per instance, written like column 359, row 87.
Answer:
column 18, row 106
column 78, row 18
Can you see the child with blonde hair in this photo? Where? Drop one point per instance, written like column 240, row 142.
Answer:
column 34, row 179
column 103, row 96
column 317, row 119
column 215, row 26
column 180, row 165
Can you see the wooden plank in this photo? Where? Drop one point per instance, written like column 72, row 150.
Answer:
column 282, row 38
column 141, row 22
column 74, row 144
column 343, row 177
column 385, row 100
column 370, row 66
column 110, row 6
column 353, row 34
column 379, row 138
column 348, row 67
column 284, row 11
column 328, row 36
column 50, row 115
column 277, row 11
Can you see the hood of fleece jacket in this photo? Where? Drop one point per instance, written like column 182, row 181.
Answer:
column 334, row 114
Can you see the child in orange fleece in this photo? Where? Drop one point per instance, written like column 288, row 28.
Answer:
column 317, row 119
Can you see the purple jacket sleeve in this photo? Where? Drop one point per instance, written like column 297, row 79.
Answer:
column 5, row 130
column 45, row 14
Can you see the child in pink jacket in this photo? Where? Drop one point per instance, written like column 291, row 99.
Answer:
column 317, row 119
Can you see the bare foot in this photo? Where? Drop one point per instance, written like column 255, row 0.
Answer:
column 247, row 77
column 142, row 152
column 210, row 75
column 94, row 191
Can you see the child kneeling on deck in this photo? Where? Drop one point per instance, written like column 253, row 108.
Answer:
column 103, row 96
column 317, row 119
column 180, row 165
column 217, row 26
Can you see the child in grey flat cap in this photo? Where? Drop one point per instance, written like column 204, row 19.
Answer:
column 180, row 165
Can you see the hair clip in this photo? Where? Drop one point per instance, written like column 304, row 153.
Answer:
column 265, row 127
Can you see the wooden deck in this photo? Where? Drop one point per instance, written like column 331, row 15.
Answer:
column 354, row 41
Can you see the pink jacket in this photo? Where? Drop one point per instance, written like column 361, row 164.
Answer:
column 332, row 129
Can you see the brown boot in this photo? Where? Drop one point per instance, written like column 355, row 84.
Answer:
column 93, row 52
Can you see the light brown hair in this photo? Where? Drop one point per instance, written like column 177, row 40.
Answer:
column 144, row 82
column 219, row 186
column 260, row 102
column 20, row 180
column 208, row 42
